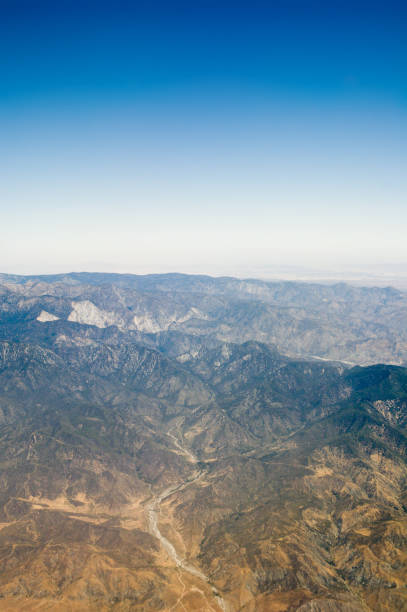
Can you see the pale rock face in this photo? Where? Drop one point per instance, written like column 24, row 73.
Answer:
column 146, row 323
column 87, row 313
column 46, row 317
column 192, row 312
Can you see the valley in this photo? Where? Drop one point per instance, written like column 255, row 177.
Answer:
column 153, row 512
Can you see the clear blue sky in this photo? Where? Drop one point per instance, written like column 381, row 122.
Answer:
column 148, row 136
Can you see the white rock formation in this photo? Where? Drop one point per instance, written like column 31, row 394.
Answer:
column 147, row 323
column 87, row 313
column 45, row 317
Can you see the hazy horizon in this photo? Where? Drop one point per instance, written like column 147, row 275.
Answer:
column 368, row 276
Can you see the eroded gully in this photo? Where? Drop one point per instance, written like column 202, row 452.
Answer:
column 153, row 509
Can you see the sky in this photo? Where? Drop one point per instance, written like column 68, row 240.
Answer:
column 217, row 137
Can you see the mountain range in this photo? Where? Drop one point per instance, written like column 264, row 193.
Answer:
column 175, row 442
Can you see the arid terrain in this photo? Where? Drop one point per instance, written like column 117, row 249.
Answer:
column 192, row 443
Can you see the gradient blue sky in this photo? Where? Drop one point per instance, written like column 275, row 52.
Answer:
column 202, row 136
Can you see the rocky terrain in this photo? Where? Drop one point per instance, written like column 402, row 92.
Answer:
column 189, row 443
column 337, row 322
